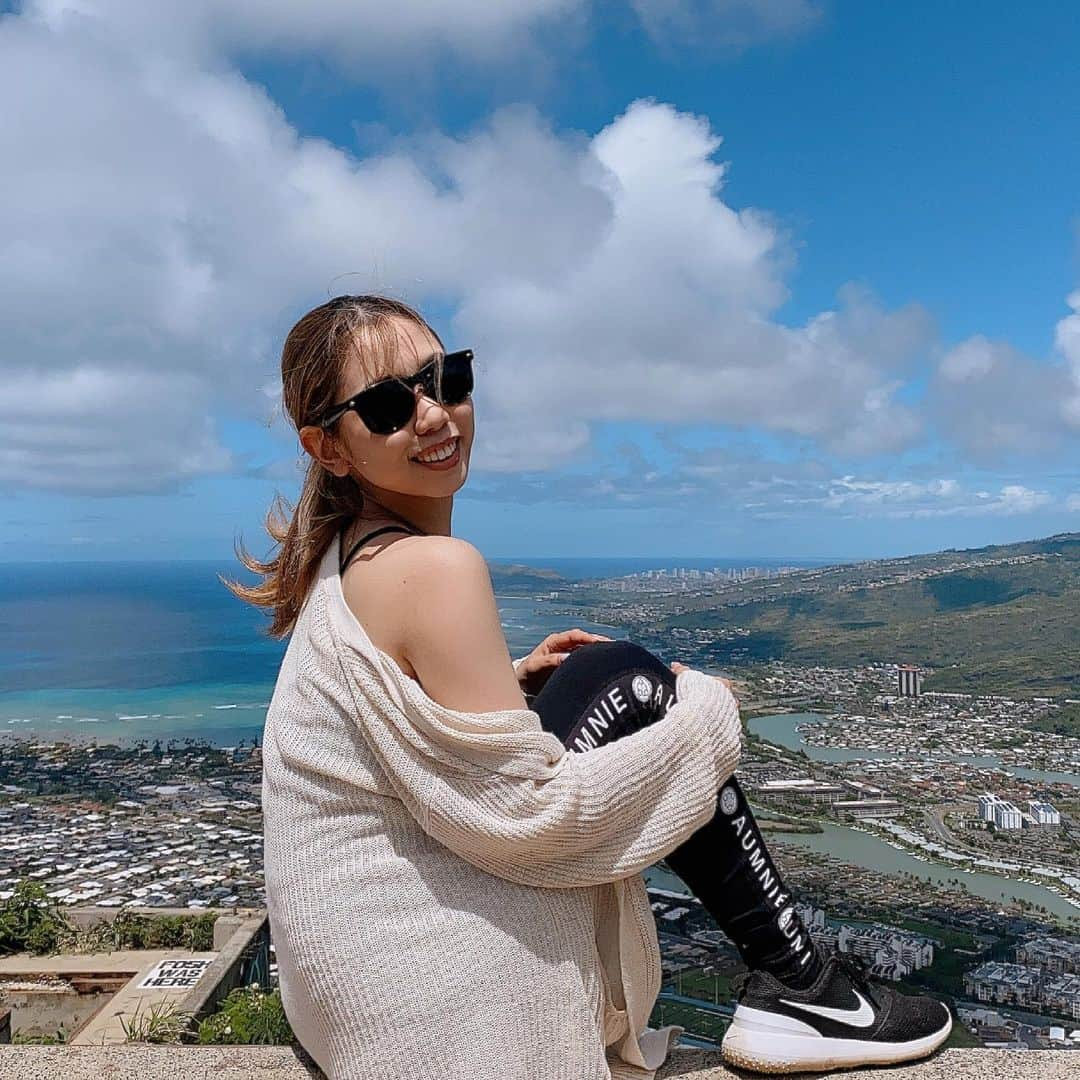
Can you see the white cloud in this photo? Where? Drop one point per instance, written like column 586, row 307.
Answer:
column 374, row 41
column 377, row 33
column 736, row 24
column 993, row 401
column 1067, row 341
column 98, row 432
column 667, row 316
column 738, row 485
column 166, row 223
column 934, row 498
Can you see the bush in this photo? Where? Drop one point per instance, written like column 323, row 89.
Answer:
column 31, row 921
column 248, row 1015
column 134, row 930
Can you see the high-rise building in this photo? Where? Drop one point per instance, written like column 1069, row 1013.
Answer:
column 1043, row 813
column 1007, row 816
column 909, row 680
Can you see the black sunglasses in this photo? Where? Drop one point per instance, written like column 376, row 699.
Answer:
column 388, row 405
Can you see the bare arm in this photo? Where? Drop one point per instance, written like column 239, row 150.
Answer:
column 595, row 817
column 451, row 630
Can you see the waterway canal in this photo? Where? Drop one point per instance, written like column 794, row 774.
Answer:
column 863, row 849
column 781, row 729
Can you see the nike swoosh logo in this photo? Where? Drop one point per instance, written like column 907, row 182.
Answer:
column 863, row 1016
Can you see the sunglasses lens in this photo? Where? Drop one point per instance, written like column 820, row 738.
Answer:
column 387, row 408
column 457, row 377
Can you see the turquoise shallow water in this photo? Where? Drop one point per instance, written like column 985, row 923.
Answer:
column 118, row 651
column 143, row 651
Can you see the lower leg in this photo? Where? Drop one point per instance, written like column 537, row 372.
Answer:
column 606, row 690
column 730, row 870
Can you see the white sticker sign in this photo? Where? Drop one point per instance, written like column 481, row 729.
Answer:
column 175, row 974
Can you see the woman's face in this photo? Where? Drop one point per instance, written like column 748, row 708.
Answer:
column 389, row 462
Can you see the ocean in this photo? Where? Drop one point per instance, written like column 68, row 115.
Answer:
column 154, row 650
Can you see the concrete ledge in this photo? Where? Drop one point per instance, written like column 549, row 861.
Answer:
column 142, row 1062
column 224, row 973
column 947, row 1065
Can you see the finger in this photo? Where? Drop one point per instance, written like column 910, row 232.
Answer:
column 561, row 639
column 572, row 638
column 546, row 660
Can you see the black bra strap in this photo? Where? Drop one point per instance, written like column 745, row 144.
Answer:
column 364, row 539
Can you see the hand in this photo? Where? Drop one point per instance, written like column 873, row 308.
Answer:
column 536, row 668
column 679, row 668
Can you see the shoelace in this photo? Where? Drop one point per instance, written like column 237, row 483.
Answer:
column 853, row 966
column 857, row 971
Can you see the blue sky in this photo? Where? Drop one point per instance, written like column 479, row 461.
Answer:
column 744, row 277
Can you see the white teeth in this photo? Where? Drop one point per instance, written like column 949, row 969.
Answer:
column 442, row 455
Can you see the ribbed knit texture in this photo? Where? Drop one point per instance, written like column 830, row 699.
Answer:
column 454, row 895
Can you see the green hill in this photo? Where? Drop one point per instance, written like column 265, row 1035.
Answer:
column 997, row 618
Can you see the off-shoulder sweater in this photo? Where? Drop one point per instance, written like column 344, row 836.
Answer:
column 454, row 895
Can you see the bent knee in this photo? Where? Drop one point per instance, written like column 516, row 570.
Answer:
column 621, row 656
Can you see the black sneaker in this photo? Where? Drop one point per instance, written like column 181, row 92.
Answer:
column 839, row 1021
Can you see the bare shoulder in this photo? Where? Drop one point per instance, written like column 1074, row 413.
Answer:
column 427, row 558
column 406, row 588
column 429, row 576
column 408, row 561
column 449, row 619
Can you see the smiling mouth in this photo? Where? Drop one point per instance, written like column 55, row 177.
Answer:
column 444, row 451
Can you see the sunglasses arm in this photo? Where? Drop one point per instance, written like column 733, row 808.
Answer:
column 335, row 414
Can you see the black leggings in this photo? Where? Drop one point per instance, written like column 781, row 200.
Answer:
column 608, row 689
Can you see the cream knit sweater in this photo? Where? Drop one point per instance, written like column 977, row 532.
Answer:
column 453, row 895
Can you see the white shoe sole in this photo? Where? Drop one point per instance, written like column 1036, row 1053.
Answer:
column 771, row 1043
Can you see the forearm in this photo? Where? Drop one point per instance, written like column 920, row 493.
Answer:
column 606, row 813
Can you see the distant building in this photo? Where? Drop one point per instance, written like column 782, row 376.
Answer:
column 889, row 953
column 812, row 918
column 1043, row 813
column 1062, row 995
column 866, row 808
column 1055, row 955
column 1005, row 815
column 988, row 1024
column 1036, row 982
column 1011, row 984
column 803, row 788
column 864, row 790
column 909, row 680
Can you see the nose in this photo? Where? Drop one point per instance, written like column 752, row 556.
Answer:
column 430, row 415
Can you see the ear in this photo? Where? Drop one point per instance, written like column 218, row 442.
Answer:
column 323, row 447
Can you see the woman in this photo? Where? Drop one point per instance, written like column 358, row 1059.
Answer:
column 453, row 877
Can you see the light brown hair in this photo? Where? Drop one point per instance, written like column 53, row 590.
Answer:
column 313, row 360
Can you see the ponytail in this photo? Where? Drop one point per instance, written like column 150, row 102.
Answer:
column 327, row 504
column 314, row 356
